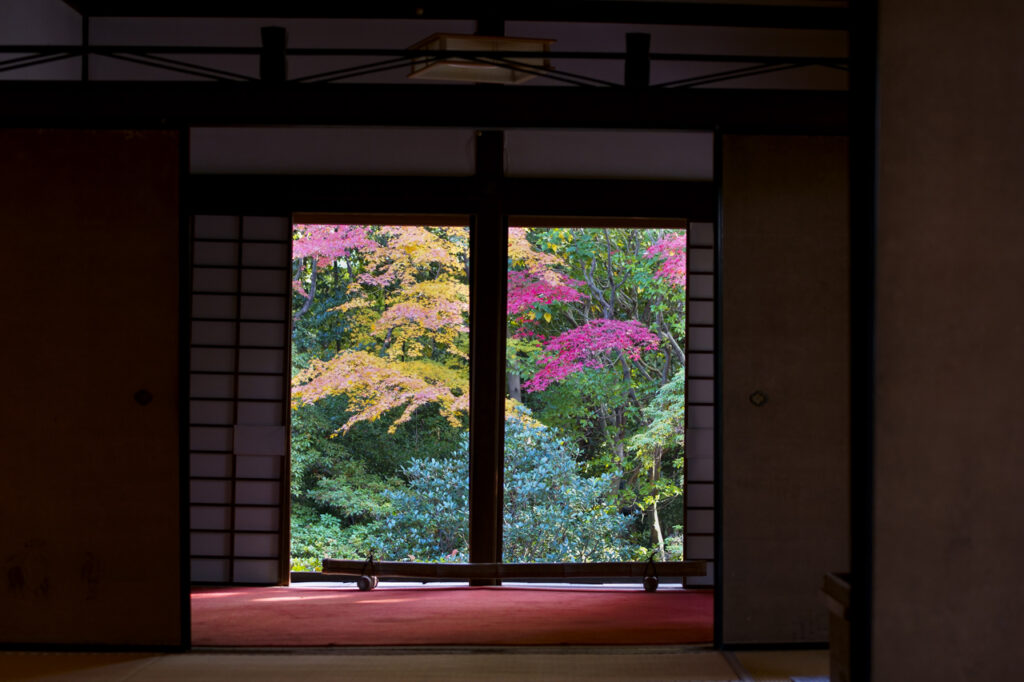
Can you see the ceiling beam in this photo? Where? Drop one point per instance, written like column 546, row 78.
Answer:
column 284, row 194
column 111, row 104
column 832, row 16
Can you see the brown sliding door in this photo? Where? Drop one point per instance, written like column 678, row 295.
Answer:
column 89, row 415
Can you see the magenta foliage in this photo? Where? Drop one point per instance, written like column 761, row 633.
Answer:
column 590, row 345
column 328, row 242
column 671, row 250
column 527, row 288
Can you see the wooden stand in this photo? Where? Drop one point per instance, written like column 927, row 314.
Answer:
column 367, row 573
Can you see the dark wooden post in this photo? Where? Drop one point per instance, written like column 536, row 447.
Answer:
column 488, row 263
column 85, row 46
column 638, row 60
column 273, row 62
column 490, row 24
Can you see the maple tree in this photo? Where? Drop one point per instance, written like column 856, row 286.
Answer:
column 404, row 316
column 597, row 351
column 380, row 389
column 594, row 344
column 380, row 372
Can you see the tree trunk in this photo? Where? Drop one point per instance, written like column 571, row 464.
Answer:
column 656, row 530
column 656, row 533
column 312, row 293
column 514, row 382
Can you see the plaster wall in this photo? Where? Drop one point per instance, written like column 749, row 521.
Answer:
column 950, row 343
column 357, row 150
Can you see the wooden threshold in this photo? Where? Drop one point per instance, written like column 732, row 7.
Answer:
column 501, row 571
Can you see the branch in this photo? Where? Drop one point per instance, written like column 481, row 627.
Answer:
column 644, row 369
column 588, row 275
column 312, row 293
column 611, row 280
column 628, row 378
column 666, row 333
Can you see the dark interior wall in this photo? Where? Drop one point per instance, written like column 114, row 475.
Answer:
column 89, row 268
column 949, row 434
column 785, row 490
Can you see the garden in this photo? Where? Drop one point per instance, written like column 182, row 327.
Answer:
column 595, row 404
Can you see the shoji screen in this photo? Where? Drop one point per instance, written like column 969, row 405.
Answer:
column 700, row 399
column 239, row 399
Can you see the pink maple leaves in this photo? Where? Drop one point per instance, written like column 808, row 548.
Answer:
column 671, row 250
column 527, row 288
column 437, row 313
column 595, row 344
column 328, row 242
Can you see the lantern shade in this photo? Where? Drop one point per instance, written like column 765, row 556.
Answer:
column 466, row 69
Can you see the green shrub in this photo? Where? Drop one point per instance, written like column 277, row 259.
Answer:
column 552, row 512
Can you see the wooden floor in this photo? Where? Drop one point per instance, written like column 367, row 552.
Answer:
column 590, row 664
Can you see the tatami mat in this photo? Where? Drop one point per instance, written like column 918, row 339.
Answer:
column 661, row 663
column 783, row 666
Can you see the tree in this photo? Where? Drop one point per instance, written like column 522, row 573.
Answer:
column 663, row 432
column 598, row 348
column 595, row 337
column 552, row 512
column 406, row 298
column 595, row 344
column 380, row 372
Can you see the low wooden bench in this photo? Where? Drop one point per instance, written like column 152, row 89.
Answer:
column 367, row 572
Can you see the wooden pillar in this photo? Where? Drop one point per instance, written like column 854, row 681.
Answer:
column 273, row 59
column 488, row 263
column 638, row 60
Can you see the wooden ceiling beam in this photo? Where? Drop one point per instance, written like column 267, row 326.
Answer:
column 833, row 15
column 108, row 104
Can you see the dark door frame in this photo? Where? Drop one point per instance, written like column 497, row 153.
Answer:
column 488, row 198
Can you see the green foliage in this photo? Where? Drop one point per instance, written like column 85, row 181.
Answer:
column 626, row 415
column 664, row 417
column 674, row 545
column 552, row 512
column 316, row 536
column 429, row 519
column 340, row 484
column 585, row 474
column 660, row 442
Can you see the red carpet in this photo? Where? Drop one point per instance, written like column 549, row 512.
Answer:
column 290, row 616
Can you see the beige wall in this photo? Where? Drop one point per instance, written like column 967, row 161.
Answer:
column 949, row 544
column 785, row 333
column 89, row 533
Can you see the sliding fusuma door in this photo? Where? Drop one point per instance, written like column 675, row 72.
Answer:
column 90, row 547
